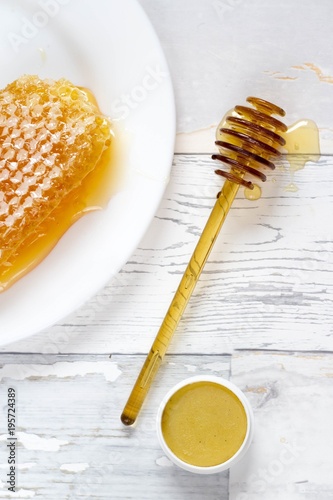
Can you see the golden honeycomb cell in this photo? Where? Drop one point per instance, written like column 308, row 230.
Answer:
column 52, row 136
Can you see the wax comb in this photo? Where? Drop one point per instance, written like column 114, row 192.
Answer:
column 51, row 137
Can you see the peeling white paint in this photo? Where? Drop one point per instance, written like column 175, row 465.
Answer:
column 191, row 368
column 34, row 442
column 74, row 468
column 216, row 367
column 196, row 141
column 109, row 370
column 18, row 494
column 164, row 462
column 25, row 466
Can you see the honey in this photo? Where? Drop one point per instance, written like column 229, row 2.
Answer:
column 302, row 146
column 204, row 424
column 79, row 179
column 253, row 194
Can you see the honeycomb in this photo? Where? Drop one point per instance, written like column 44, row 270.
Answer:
column 51, row 136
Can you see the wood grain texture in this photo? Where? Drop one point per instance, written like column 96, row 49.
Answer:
column 291, row 454
column 221, row 51
column 260, row 315
column 71, row 443
column 267, row 283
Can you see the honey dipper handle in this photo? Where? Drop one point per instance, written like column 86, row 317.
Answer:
column 179, row 302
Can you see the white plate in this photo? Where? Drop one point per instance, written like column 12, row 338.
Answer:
column 110, row 47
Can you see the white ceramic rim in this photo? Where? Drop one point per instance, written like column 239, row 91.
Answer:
column 248, row 437
column 94, row 249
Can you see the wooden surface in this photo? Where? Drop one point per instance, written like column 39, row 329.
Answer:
column 261, row 314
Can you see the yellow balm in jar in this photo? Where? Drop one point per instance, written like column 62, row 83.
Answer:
column 205, row 424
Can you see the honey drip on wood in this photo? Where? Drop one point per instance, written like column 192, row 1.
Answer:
column 302, row 146
column 93, row 194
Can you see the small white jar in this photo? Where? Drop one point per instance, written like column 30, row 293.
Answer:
column 241, row 450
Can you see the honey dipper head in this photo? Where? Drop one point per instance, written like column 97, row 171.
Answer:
column 51, row 137
column 248, row 139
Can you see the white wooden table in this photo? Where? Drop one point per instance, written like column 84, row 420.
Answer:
column 261, row 314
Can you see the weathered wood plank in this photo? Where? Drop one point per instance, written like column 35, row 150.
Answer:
column 71, row 443
column 74, row 429
column 267, row 284
column 292, row 451
column 221, row 51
